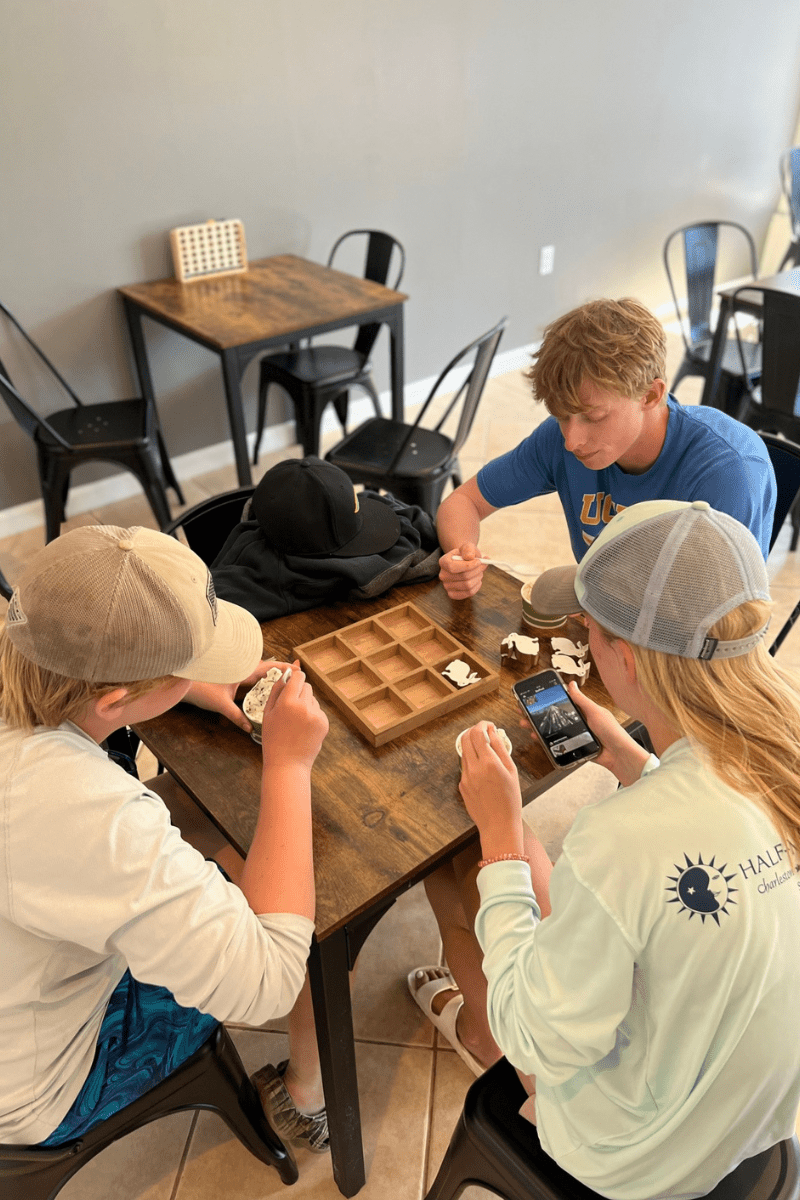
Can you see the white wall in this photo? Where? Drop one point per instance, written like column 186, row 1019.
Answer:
column 474, row 130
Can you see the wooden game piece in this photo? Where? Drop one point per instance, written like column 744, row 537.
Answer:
column 563, row 645
column 518, row 647
column 569, row 668
column 458, row 672
column 385, row 673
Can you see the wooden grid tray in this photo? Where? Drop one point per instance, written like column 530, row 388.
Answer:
column 385, row 673
column 213, row 248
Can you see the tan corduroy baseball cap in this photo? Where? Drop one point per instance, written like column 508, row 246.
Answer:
column 113, row 605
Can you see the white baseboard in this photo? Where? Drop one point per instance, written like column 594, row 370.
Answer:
column 88, row 496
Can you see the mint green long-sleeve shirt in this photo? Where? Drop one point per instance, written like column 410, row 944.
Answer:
column 657, row 1005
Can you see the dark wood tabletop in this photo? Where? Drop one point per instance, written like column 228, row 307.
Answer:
column 383, row 817
column 274, row 297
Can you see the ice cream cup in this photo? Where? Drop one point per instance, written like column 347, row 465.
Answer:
column 504, row 738
column 538, row 620
column 255, row 701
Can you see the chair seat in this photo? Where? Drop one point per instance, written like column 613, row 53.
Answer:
column 117, row 423
column 731, row 362
column 315, row 365
column 370, row 449
column 493, row 1145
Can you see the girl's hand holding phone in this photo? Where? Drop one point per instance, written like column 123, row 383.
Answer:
column 294, row 725
column 621, row 754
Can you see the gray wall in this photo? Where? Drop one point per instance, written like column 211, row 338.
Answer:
column 474, row 130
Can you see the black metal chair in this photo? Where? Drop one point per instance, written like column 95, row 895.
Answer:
column 772, row 404
column 213, row 1078
column 785, row 459
column 5, row 587
column 315, row 376
column 410, row 461
column 700, row 244
column 789, row 167
column 207, row 524
column 120, row 431
column 494, row 1147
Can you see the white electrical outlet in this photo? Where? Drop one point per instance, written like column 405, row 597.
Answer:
column 547, row 256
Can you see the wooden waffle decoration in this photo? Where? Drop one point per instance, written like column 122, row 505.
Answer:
column 395, row 671
column 213, row 248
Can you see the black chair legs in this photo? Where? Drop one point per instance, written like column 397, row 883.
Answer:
column 213, row 1078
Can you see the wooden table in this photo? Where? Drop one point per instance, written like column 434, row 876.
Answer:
column 383, row 818
column 278, row 300
column 784, row 281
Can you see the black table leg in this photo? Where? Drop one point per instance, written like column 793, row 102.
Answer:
column 233, row 398
column 333, row 1017
column 396, row 351
column 133, row 317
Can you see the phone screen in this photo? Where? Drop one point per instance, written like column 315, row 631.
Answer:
column 556, row 719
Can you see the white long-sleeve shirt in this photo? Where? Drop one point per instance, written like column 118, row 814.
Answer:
column 94, row 880
column 657, row 1005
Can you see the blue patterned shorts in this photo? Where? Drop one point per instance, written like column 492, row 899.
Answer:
column 144, row 1037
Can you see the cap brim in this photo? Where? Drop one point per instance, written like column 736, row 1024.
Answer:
column 235, row 652
column 553, row 593
column 380, row 529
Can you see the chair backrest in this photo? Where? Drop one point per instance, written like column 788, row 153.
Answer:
column 24, row 415
column 779, row 334
column 700, row 246
column 21, row 411
column 785, row 459
column 789, row 168
column 471, row 389
column 207, row 525
column 381, row 248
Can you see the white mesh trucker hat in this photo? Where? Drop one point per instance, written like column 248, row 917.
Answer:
column 660, row 575
column 114, row 605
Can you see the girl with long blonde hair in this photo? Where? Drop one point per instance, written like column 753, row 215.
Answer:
column 654, row 1008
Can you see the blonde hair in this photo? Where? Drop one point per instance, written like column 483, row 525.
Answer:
column 617, row 344
column 31, row 695
column 742, row 713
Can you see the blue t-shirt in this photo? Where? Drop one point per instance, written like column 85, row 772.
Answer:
column 706, row 455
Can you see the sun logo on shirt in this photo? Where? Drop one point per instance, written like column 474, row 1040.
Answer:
column 702, row 889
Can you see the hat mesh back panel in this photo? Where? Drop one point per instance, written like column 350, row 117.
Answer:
column 706, row 579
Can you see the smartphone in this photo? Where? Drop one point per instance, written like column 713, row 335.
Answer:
column 562, row 730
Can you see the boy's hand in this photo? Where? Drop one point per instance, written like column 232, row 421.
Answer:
column 294, row 725
column 490, row 789
column 462, row 579
column 621, row 754
column 220, row 697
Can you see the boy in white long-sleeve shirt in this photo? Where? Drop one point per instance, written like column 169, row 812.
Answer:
column 116, row 934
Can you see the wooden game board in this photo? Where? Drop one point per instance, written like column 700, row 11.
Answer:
column 385, row 673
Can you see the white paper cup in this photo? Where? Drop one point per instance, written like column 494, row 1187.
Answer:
column 504, row 738
column 538, row 620
column 256, row 699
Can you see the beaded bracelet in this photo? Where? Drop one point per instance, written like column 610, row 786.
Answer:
column 485, row 862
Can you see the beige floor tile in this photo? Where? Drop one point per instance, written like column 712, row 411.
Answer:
column 394, row 1085
column 142, row 1166
column 383, row 1010
column 452, row 1081
column 550, row 815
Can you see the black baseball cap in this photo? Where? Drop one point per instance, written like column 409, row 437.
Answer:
column 308, row 508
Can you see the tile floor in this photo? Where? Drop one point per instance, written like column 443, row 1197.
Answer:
column 412, row 1086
